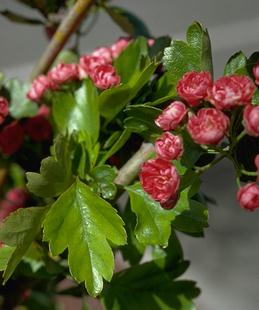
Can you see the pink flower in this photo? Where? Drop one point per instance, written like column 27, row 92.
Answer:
column 169, row 146
column 208, row 127
column 256, row 73
column 103, row 52
column 88, row 63
column 251, row 120
column 38, row 88
column 105, row 76
column 3, row 109
column 230, row 91
column 193, row 87
column 38, row 128
column 63, row 73
column 11, row 138
column 172, row 116
column 248, row 196
column 119, row 46
column 159, row 179
column 150, row 42
column 17, row 196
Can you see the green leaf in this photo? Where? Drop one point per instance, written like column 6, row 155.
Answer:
column 104, row 176
column 52, row 180
column 113, row 100
column 5, row 255
column 66, row 57
column 128, row 21
column 255, row 99
column 153, row 222
column 20, row 106
column 157, row 49
column 142, row 118
column 147, row 286
column 17, row 18
column 78, row 112
column 19, row 230
column 193, row 220
column 236, row 64
column 125, row 135
column 83, row 222
column 133, row 251
column 195, row 54
column 130, row 60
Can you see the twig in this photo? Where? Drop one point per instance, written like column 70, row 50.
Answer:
column 64, row 31
column 130, row 170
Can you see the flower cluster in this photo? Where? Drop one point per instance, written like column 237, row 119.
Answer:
column 97, row 66
column 204, row 111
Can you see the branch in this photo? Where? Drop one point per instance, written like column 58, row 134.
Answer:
column 64, row 31
column 130, row 170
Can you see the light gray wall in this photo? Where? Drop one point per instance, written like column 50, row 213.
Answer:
column 226, row 262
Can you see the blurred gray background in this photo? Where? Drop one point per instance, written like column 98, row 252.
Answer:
column 226, row 262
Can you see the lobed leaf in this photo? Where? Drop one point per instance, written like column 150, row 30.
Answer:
column 83, row 222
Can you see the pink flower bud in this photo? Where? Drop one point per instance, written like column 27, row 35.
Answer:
column 88, row 63
column 11, row 138
column 119, row 46
column 105, row 76
column 248, row 196
column 230, row 91
column 38, row 88
column 251, row 120
column 256, row 73
column 38, row 128
column 159, row 179
column 63, row 73
column 3, row 109
column 172, row 116
column 171, row 202
column 17, row 196
column 169, row 146
column 193, row 87
column 103, row 52
column 208, row 127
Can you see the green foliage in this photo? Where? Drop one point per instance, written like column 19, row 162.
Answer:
column 153, row 222
column 152, row 285
column 5, row 255
column 255, row 99
column 19, row 230
column 193, row 220
column 78, row 112
column 83, row 222
column 122, row 139
column 51, row 181
column 194, row 54
column 130, row 61
column 142, row 118
column 127, row 21
column 20, row 106
column 236, row 64
column 104, row 176
column 113, row 100
column 66, row 57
